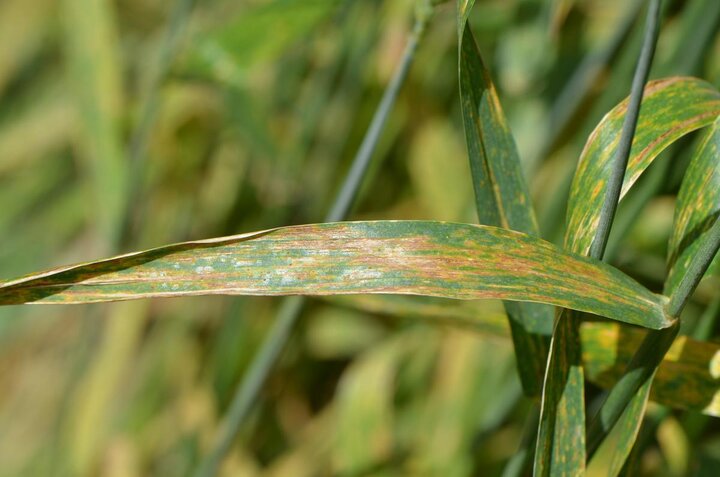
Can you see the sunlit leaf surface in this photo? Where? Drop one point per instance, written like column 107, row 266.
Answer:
column 404, row 257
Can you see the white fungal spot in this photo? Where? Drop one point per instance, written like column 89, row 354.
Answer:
column 360, row 274
column 203, row 269
column 287, row 279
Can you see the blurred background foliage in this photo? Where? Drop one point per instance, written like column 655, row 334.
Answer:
column 114, row 139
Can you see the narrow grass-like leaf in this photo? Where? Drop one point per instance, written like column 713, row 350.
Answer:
column 629, row 427
column 698, row 205
column 560, row 448
column 501, row 193
column 396, row 257
column 643, row 365
column 671, row 108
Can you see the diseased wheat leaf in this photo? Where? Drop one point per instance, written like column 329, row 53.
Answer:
column 501, row 194
column 629, row 426
column 560, row 448
column 698, row 204
column 397, row 257
column 671, row 108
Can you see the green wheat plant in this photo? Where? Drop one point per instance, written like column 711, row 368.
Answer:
column 573, row 316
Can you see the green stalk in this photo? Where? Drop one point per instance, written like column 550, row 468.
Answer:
column 646, row 360
column 706, row 324
column 625, row 389
column 699, row 264
column 563, row 389
column 585, row 76
column 349, row 190
column 644, row 363
column 641, row 368
column 247, row 393
column 614, row 185
column 691, row 422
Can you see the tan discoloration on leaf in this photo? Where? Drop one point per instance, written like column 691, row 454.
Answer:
column 671, row 108
column 429, row 258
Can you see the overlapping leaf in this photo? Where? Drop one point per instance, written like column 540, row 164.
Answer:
column 671, row 108
column 501, row 194
column 403, row 257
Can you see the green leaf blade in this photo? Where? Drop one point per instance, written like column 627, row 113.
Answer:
column 560, row 448
column 502, row 197
column 671, row 108
column 501, row 193
column 629, row 427
column 448, row 260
